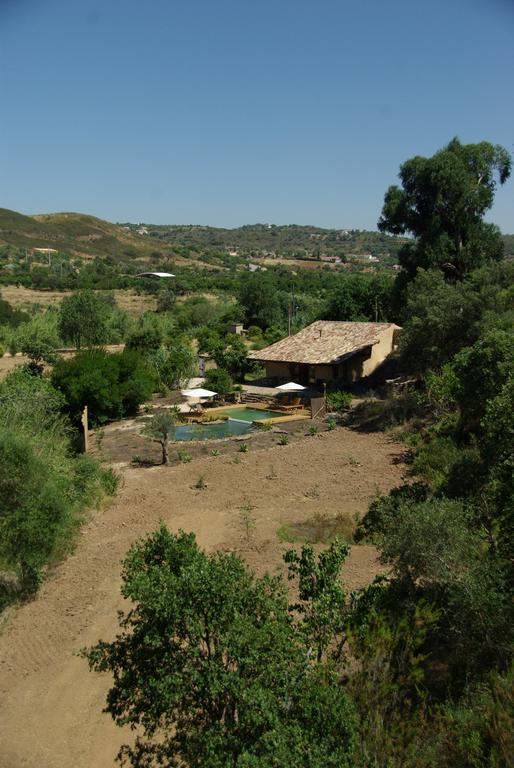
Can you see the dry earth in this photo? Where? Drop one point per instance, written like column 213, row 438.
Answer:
column 50, row 704
column 26, row 298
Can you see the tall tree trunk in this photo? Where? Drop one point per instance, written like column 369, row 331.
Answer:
column 165, row 454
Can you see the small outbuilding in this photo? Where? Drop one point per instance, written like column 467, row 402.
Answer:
column 329, row 351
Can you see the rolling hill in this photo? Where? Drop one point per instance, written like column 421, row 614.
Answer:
column 72, row 233
column 84, row 236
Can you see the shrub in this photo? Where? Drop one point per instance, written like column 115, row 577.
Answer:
column 184, row 456
column 243, row 448
column 43, row 487
column 283, row 440
column 112, row 386
column 338, row 401
column 219, row 380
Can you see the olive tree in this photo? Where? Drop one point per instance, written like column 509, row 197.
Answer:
column 161, row 428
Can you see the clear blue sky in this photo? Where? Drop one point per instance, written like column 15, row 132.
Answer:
column 227, row 112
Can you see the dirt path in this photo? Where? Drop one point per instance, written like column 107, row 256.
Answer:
column 50, row 704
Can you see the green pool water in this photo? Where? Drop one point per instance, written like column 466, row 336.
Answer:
column 251, row 414
column 211, row 431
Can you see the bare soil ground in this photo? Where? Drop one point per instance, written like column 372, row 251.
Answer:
column 25, row 298
column 50, row 704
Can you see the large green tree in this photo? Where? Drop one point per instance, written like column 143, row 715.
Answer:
column 83, row 319
column 441, row 203
column 212, row 668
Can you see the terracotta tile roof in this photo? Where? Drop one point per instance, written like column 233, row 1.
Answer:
column 323, row 342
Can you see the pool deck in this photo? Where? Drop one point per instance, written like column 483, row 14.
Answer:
column 300, row 415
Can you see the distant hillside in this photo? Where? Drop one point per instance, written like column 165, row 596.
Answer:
column 289, row 240
column 82, row 236
column 72, row 233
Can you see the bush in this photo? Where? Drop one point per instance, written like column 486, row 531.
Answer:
column 338, row 401
column 43, row 486
column 219, row 380
column 112, row 386
column 173, row 366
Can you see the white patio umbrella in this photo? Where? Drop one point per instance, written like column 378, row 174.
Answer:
column 291, row 387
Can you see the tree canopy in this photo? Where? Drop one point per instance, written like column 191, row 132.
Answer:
column 83, row 319
column 442, row 202
column 211, row 666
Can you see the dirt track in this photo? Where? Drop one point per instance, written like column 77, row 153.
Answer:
column 50, row 704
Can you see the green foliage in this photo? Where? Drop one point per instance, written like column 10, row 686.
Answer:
column 111, row 385
column 173, row 366
column 382, row 510
column 215, row 673
column 243, row 448
column 232, row 355
column 441, row 319
column 322, row 603
column 10, row 316
column 388, row 683
column 220, row 381
column 442, row 203
column 283, row 440
column 338, row 401
column 479, row 373
column 260, row 300
column 83, row 319
column 38, row 339
column 184, row 456
column 161, row 428
column 429, row 542
column 361, row 298
column 43, row 487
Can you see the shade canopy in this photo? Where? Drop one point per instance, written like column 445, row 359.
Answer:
column 154, row 274
column 198, row 392
column 291, row 387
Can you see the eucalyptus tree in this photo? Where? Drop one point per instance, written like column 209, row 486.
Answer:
column 442, row 202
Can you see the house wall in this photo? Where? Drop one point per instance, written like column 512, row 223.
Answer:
column 276, row 370
column 351, row 370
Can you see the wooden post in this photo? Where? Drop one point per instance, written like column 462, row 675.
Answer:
column 85, row 428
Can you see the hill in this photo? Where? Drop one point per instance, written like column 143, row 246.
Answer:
column 72, row 233
column 86, row 237
column 291, row 240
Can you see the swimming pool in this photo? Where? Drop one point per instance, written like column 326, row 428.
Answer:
column 208, row 431
column 250, row 414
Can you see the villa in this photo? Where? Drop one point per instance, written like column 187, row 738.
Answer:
column 329, row 351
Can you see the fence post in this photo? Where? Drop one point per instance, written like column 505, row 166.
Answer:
column 85, row 428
